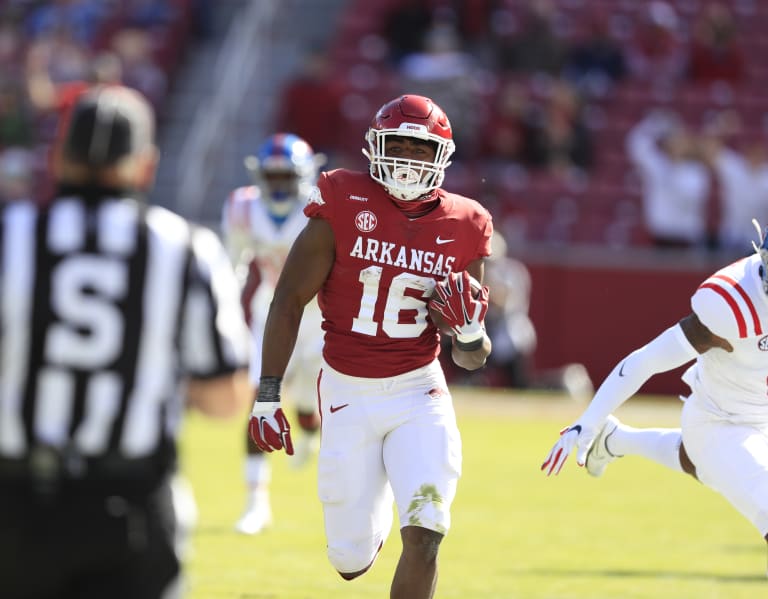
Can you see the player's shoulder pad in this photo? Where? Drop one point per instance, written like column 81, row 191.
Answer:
column 332, row 187
column 341, row 178
column 724, row 304
column 472, row 211
column 245, row 194
column 467, row 204
column 239, row 202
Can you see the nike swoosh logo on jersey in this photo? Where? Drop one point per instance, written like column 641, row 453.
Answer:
column 335, row 409
column 621, row 370
column 440, row 241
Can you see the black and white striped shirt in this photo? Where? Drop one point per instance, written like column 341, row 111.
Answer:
column 106, row 305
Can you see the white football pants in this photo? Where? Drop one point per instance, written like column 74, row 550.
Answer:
column 382, row 439
column 730, row 458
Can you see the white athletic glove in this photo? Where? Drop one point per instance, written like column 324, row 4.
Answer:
column 579, row 436
column 463, row 303
column 268, row 426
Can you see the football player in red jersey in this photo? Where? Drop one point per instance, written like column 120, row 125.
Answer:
column 375, row 247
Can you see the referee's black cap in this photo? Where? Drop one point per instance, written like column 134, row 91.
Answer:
column 107, row 124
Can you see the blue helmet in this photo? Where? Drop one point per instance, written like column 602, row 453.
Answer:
column 284, row 168
column 762, row 251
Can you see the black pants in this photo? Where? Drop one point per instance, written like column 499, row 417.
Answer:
column 85, row 544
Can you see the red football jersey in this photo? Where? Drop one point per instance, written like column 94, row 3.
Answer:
column 374, row 301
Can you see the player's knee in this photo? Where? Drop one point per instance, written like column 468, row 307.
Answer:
column 351, row 562
column 421, row 543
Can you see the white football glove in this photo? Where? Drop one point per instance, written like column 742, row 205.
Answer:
column 269, row 428
column 578, row 436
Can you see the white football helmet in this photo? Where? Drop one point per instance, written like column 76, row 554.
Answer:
column 409, row 116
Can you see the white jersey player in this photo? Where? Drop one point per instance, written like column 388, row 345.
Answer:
column 723, row 439
column 259, row 224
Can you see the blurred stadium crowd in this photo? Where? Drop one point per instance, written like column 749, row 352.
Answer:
column 49, row 51
column 615, row 123
column 542, row 95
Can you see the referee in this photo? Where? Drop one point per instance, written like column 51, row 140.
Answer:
column 115, row 316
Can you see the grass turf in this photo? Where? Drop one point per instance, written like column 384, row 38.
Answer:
column 640, row 531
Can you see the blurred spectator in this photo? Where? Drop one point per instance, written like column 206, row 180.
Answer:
column 507, row 322
column 61, row 55
column 715, row 52
column 559, row 137
column 405, row 26
column 743, row 183
column 513, row 334
column 202, row 18
column 16, row 120
column 310, row 105
column 47, row 95
column 535, row 47
column 473, row 18
column 53, row 100
column 504, row 136
column 408, row 22
column 140, row 71
column 441, row 70
column 657, row 52
column 675, row 182
column 595, row 63
column 17, row 169
column 81, row 18
column 11, row 49
column 149, row 14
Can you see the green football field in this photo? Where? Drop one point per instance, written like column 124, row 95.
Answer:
column 640, row 531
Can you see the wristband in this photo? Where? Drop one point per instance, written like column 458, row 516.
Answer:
column 269, row 388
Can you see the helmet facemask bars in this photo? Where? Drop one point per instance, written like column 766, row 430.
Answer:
column 411, row 117
column 403, row 178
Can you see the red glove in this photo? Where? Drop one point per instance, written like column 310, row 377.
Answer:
column 463, row 303
column 269, row 428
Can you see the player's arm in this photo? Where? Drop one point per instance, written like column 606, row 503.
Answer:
column 220, row 397
column 700, row 337
column 214, row 340
column 305, row 270
column 669, row 350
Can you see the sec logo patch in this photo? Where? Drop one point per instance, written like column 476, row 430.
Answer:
column 762, row 344
column 366, row 221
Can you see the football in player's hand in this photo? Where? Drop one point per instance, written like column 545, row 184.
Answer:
column 438, row 319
